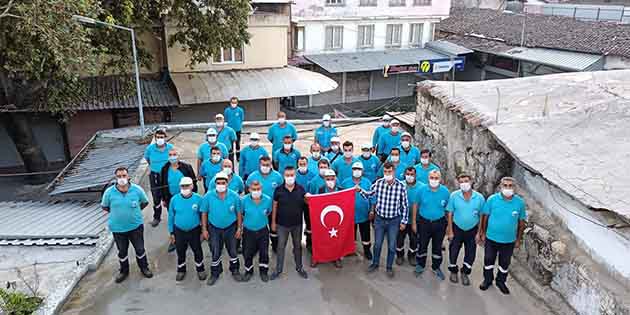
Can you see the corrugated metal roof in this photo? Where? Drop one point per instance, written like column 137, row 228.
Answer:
column 447, row 47
column 407, row 118
column 220, row 86
column 95, row 167
column 372, row 60
column 556, row 58
column 48, row 223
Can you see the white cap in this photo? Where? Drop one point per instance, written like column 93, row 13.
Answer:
column 326, row 117
column 211, row 131
column 405, row 134
column 395, row 122
column 335, row 139
column 357, row 165
column 387, row 117
column 219, row 116
column 366, row 146
column 185, row 181
column 329, row 172
column 221, row 175
column 254, row 136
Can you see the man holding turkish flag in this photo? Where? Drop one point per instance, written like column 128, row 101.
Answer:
column 332, row 225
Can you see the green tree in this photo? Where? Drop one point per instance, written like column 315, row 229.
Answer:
column 44, row 52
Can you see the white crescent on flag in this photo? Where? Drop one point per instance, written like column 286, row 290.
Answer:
column 328, row 209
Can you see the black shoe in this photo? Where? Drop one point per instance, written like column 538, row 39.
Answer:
column 502, row 287
column 171, row 248
column 180, row 276
column 202, row 275
column 390, row 273
column 454, row 278
column 264, row 277
column 146, row 273
column 237, row 276
column 400, row 260
column 338, row 263
column 212, row 280
column 372, row 268
column 368, row 255
column 275, row 275
column 121, row 276
column 465, row 279
column 155, row 222
column 485, row 285
column 247, row 276
column 302, row 273
column 412, row 260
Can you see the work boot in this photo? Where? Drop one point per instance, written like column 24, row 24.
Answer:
column 202, row 275
column 247, row 277
column 465, row 279
column 453, row 277
column 439, row 274
column 412, row 260
column 502, row 287
column 212, row 280
column 237, row 276
column 419, row 270
column 180, row 276
column 146, row 273
column 390, row 273
column 264, row 277
column 400, row 260
column 372, row 268
column 302, row 273
column 338, row 263
column 485, row 285
column 155, row 222
column 171, row 247
column 121, row 276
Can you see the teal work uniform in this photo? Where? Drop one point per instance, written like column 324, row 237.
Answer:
column 208, row 170
column 422, row 174
column 157, row 157
column 250, row 159
column 174, row 176
column 316, row 184
column 184, row 212
column 204, row 150
column 313, row 164
column 399, row 171
column 388, row 141
column 303, row 179
column 324, row 134
column 465, row 212
column 412, row 196
column 255, row 216
column 234, row 117
column 370, row 167
column 432, row 204
column 410, row 158
column 284, row 159
column 342, row 168
column 221, row 212
column 268, row 183
column 377, row 134
column 235, row 184
column 276, row 134
column 125, row 213
column 361, row 204
column 503, row 217
column 227, row 136
column 333, row 156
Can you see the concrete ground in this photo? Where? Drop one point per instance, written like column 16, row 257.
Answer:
column 327, row 291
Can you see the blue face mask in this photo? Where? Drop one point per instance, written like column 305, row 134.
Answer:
column 172, row 159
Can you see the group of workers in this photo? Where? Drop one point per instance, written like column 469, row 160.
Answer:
column 399, row 195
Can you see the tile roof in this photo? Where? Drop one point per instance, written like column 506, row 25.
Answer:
column 555, row 32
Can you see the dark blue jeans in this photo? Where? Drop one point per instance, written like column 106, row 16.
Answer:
column 385, row 227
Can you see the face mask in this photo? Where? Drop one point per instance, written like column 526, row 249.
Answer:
column 434, row 183
column 326, row 123
column 405, row 144
column 410, row 179
column 282, row 120
column 330, row 184
column 212, row 139
column 367, row 155
column 172, row 159
column 160, row 141
column 254, row 143
column 424, row 161
column 394, row 129
column 122, row 181
column 216, row 158
column 347, row 154
column 290, row 180
column 233, row 105
column 394, row 158
column 186, row 191
column 227, row 170
column 465, row 186
column 256, row 194
column 287, row 146
column 322, row 171
column 221, row 188
column 334, row 147
column 316, row 155
column 356, row 173
column 508, row 192
column 388, row 177
column 265, row 169
column 220, row 124
column 386, row 124
column 303, row 169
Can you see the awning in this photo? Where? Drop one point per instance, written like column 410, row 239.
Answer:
column 372, row 60
column 567, row 60
column 220, row 86
column 447, row 47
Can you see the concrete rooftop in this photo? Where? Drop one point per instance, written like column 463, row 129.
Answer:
column 571, row 128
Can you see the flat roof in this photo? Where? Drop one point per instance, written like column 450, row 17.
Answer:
column 372, row 60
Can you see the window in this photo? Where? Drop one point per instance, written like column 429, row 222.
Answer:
column 334, row 37
column 415, row 34
column 422, row 2
column 229, row 55
column 298, row 38
column 365, row 36
column 431, row 31
column 334, row 2
column 368, row 3
column 396, row 3
column 392, row 35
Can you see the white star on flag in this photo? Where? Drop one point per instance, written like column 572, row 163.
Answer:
column 333, row 232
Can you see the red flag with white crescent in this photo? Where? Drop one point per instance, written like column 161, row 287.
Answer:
column 332, row 225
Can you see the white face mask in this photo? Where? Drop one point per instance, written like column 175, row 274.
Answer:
column 212, row 139
column 322, row 171
column 220, row 124
column 256, row 194
column 434, row 183
column 265, row 169
column 122, row 181
column 405, row 144
column 465, row 187
column 287, row 146
column 186, row 192
column 282, row 120
column 347, row 154
column 410, row 179
column 394, row 158
column 227, row 170
column 330, row 184
column 507, row 192
column 221, row 188
column 326, row 123
column 233, row 105
column 290, row 180
column 334, row 147
column 424, row 161
column 357, row 173
column 253, row 143
column 160, row 141
column 216, row 158
column 366, row 155
column 302, row 169
column 388, row 177
column 395, row 129
column 316, row 155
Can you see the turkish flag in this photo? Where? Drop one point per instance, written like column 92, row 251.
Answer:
column 332, row 225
